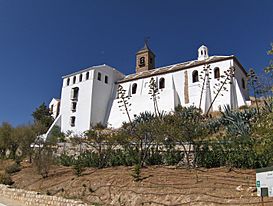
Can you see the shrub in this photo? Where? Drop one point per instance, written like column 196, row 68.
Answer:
column 89, row 159
column 210, row 154
column 5, row 179
column 13, row 168
column 66, row 160
column 137, row 173
column 131, row 156
column 116, row 158
column 172, row 157
column 127, row 157
column 43, row 160
column 78, row 167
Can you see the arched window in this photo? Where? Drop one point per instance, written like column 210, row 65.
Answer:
column 161, row 83
column 67, row 81
column 216, row 73
column 243, row 83
column 87, row 75
column 80, row 78
column 74, row 79
column 99, row 76
column 106, row 79
column 142, row 61
column 195, row 76
column 134, row 88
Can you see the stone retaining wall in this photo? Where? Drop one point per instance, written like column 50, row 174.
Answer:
column 36, row 199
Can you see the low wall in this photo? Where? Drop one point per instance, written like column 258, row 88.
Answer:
column 35, row 199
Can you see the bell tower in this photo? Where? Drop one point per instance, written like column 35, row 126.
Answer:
column 203, row 52
column 145, row 59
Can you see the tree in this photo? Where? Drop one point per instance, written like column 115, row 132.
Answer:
column 56, row 135
column 146, row 133
column 6, row 140
column 100, row 140
column 42, row 119
column 186, row 126
column 43, row 157
column 140, row 135
column 25, row 136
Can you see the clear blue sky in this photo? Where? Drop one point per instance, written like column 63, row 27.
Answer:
column 42, row 40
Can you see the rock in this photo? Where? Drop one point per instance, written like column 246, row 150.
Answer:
column 239, row 188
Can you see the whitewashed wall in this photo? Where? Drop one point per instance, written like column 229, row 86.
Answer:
column 83, row 108
column 173, row 93
column 54, row 107
column 93, row 99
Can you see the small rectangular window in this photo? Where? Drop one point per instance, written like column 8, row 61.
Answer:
column 75, row 93
column 73, row 106
column 80, row 78
column 51, row 109
column 72, row 121
column 106, row 79
column 99, row 76
column 87, row 75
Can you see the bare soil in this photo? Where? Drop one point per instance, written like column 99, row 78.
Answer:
column 160, row 186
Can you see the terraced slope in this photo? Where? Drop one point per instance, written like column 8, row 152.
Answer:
column 160, row 186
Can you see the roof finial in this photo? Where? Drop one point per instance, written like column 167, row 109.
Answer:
column 146, row 39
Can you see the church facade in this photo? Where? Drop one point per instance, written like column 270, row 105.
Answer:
column 92, row 95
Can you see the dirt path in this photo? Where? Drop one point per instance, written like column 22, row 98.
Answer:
column 8, row 202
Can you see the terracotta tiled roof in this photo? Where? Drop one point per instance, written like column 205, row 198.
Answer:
column 178, row 67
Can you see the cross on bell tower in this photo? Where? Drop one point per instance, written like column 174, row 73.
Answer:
column 145, row 58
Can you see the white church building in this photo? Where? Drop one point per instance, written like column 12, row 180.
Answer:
column 90, row 96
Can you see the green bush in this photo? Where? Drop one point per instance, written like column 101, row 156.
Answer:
column 154, row 157
column 66, row 160
column 89, row 159
column 127, row 157
column 137, row 173
column 210, row 154
column 172, row 157
column 13, row 168
column 5, row 179
column 78, row 167
column 116, row 158
column 239, row 154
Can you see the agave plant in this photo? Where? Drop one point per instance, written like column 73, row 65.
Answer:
column 213, row 125
column 143, row 117
column 237, row 122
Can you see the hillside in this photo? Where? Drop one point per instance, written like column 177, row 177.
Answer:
column 160, row 186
